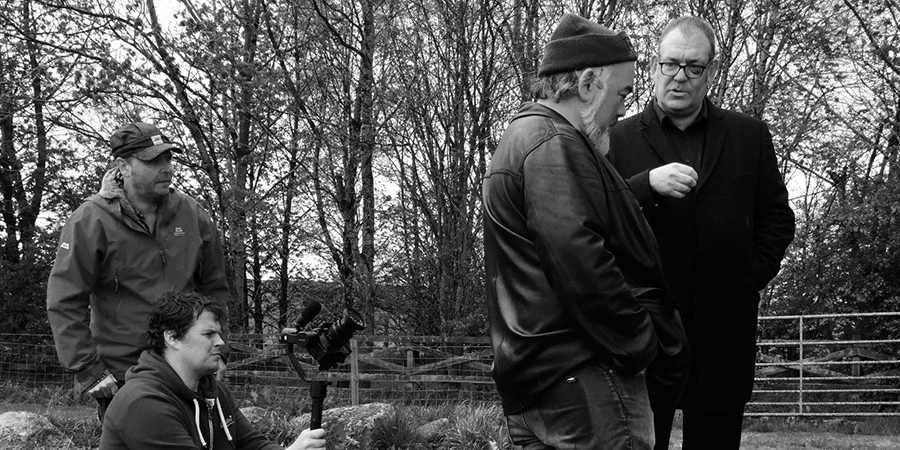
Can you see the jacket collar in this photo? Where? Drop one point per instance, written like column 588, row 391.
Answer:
column 112, row 191
column 715, row 138
column 536, row 109
column 113, row 199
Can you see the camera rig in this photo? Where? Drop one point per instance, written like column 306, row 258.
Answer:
column 327, row 344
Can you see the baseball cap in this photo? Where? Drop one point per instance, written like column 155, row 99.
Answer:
column 141, row 140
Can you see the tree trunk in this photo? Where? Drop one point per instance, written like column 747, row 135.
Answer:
column 7, row 171
column 366, row 147
column 31, row 209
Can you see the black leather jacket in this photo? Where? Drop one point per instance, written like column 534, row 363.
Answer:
column 567, row 254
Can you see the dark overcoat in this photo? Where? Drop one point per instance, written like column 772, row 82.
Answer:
column 720, row 245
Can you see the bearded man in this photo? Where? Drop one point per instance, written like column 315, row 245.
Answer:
column 578, row 305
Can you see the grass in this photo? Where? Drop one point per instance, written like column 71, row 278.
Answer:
column 471, row 425
column 872, row 426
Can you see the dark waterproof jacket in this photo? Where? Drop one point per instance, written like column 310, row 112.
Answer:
column 720, row 245
column 155, row 410
column 568, row 254
column 108, row 260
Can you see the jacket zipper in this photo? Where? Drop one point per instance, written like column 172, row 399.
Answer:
column 162, row 255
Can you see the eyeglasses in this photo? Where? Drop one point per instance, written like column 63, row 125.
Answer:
column 671, row 69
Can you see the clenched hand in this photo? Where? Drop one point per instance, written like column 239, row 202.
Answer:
column 673, row 180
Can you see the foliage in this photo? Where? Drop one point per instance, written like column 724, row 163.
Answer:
column 849, row 262
column 51, row 398
column 478, row 427
column 471, row 425
column 23, row 288
column 343, row 141
column 397, row 432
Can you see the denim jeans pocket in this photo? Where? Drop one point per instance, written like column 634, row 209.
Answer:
column 592, row 407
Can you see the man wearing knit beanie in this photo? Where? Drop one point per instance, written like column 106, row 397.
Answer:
column 577, row 301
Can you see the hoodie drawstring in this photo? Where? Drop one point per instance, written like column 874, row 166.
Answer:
column 197, row 422
column 222, row 418
column 209, row 422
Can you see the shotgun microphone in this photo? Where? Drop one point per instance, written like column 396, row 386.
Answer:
column 309, row 313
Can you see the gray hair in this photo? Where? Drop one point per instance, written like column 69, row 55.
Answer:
column 688, row 25
column 560, row 86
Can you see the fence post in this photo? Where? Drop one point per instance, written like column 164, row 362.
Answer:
column 354, row 372
column 855, row 367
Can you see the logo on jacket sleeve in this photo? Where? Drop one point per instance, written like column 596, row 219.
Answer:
column 178, row 231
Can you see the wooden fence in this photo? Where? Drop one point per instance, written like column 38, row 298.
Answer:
column 408, row 369
column 803, row 368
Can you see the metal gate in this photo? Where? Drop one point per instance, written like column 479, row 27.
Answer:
column 838, row 365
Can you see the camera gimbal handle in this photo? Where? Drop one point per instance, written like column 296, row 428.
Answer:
column 327, row 345
column 291, row 337
column 317, row 392
column 318, row 389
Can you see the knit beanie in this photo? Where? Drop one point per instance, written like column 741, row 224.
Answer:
column 578, row 43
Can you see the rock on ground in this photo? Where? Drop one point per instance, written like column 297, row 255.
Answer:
column 19, row 428
column 351, row 427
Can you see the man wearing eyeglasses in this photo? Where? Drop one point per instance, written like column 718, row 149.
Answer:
column 709, row 186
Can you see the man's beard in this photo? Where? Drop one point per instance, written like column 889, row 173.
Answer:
column 598, row 135
column 600, row 138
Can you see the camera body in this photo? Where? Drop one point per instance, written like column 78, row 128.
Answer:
column 327, row 343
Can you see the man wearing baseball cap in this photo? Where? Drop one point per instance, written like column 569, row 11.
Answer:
column 577, row 302
column 123, row 247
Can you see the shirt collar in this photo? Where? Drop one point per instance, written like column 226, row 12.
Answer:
column 661, row 115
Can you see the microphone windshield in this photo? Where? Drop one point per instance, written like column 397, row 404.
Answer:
column 308, row 314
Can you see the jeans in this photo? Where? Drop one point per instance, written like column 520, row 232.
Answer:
column 590, row 408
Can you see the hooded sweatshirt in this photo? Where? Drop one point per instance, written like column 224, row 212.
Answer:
column 155, row 409
column 110, row 260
